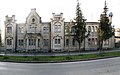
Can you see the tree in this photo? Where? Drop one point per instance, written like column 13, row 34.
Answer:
column 105, row 30
column 80, row 26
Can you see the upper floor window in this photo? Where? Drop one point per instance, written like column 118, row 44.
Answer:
column 9, row 20
column 33, row 20
column 73, row 30
column 93, row 29
column 21, row 30
column 45, row 30
column 57, row 18
column 57, row 28
column 9, row 29
column 89, row 28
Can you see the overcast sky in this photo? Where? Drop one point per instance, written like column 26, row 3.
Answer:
column 91, row 9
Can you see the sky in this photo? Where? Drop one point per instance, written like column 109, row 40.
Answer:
column 91, row 9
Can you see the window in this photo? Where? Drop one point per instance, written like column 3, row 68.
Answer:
column 93, row 29
column 9, row 29
column 9, row 41
column 33, row 20
column 73, row 30
column 106, row 42
column 45, row 30
column 89, row 28
column 73, row 42
column 38, row 42
column 21, row 30
column 96, row 41
column 57, row 28
column 45, row 42
column 21, row 42
column 67, row 42
column 57, row 41
column 32, row 42
column 93, row 41
column 89, row 41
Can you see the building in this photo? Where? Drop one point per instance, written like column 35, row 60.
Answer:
column 35, row 35
column 117, row 35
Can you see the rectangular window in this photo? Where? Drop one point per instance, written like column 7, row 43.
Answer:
column 9, row 29
column 32, row 42
column 57, row 28
column 73, row 42
column 45, row 30
column 45, row 42
column 58, row 41
column 67, row 42
column 38, row 42
column 9, row 41
column 55, row 41
column 89, row 41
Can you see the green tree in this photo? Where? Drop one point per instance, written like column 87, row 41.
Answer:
column 105, row 30
column 80, row 26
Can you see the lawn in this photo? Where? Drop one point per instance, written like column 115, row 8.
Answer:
column 58, row 58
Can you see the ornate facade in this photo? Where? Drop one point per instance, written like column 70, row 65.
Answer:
column 41, row 36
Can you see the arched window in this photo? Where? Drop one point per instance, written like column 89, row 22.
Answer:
column 93, row 29
column 89, row 28
column 33, row 20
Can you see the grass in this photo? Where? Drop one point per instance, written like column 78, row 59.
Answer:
column 57, row 58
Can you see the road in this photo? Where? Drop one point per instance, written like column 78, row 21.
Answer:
column 109, row 66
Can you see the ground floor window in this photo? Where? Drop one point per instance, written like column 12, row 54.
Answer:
column 20, row 42
column 67, row 42
column 46, row 42
column 73, row 42
column 38, row 42
column 32, row 42
column 57, row 41
column 9, row 41
column 106, row 42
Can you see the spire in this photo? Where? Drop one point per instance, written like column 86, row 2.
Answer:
column 105, row 9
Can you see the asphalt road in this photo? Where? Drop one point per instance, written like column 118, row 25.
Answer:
column 109, row 66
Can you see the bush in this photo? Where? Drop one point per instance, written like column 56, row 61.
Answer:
column 68, row 58
column 5, row 57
